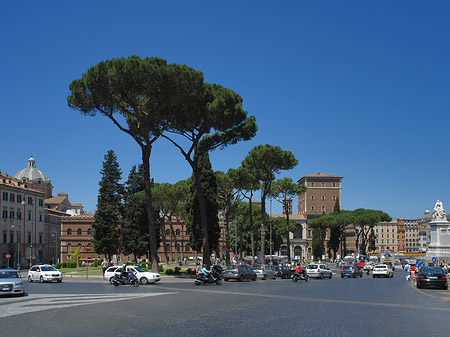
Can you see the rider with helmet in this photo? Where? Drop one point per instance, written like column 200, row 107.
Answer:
column 206, row 272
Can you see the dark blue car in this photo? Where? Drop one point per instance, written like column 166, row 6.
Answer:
column 351, row 271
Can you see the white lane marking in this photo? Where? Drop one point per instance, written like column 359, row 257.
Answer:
column 33, row 303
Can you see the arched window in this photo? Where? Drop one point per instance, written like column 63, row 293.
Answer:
column 69, row 231
column 309, row 250
column 79, row 231
column 69, row 248
column 167, row 232
column 89, row 231
column 168, row 247
column 177, row 232
column 297, row 252
column 187, row 247
column 178, row 247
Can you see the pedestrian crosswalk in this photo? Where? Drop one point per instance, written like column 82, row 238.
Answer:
column 40, row 302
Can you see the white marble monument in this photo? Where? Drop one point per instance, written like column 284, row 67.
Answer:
column 439, row 246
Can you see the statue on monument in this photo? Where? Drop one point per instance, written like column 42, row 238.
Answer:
column 439, row 212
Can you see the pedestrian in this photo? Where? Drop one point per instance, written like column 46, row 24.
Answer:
column 104, row 266
column 413, row 274
column 407, row 272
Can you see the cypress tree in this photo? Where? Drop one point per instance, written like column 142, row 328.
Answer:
column 193, row 221
column 109, row 204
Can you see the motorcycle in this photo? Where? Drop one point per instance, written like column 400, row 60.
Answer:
column 300, row 276
column 200, row 278
column 121, row 279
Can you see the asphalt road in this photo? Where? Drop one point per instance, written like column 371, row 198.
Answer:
column 176, row 307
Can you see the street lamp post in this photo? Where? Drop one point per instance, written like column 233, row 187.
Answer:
column 18, row 247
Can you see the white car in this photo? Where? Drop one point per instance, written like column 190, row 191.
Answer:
column 44, row 273
column 143, row 276
column 382, row 270
column 318, row 270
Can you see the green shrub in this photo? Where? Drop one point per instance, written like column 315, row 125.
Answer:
column 143, row 265
column 169, row 272
column 57, row 265
column 95, row 264
column 64, row 264
column 177, row 271
column 160, row 267
column 72, row 264
column 190, row 271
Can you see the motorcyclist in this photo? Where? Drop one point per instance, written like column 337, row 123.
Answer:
column 298, row 270
column 124, row 272
column 206, row 272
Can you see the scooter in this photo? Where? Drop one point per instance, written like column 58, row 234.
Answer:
column 121, row 279
column 300, row 276
column 200, row 278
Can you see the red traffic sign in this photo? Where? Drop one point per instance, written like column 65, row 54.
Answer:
column 8, row 256
column 88, row 247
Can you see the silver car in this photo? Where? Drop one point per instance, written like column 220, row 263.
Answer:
column 318, row 270
column 265, row 271
column 11, row 283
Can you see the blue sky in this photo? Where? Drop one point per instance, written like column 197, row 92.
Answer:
column 358, row 89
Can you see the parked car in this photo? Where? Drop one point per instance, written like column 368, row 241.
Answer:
column 283, row 271
column 11, row 283
column 382, row 270
column 431, row 277
column 44, row 273
column 351, row 271
column 265, row 271
column 143, row 276
column 239, row 272
column 318, row 270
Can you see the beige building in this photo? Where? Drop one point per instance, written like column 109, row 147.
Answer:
column 320, row 197
column 22, row 223
column 387, row 236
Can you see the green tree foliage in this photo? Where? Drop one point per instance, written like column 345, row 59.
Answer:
column 143, row 98
column 194, row 220
column 286, row 189
column 134, row 230
column 266, row 161
column 218, row 121
column 109, row 203
column 362, row 220
column 169, row 199
column 227, row 194
column 247, row 183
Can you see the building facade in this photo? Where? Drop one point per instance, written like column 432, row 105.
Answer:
column 323, row 189
column 22, row 223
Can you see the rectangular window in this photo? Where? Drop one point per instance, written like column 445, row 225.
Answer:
column 40, row 217
column 11, row 214
column 5, row 214
column 19, row 198
column 29, row 237
column 29, row 216
column 11, row 197
column 11, row 237
column 5, row 237
column 69, row 257
column 5, row 196
column 311, row 184
column 19, row 215
column 40, row 238
column 41, row 202
column 30, row 201
column 334, row 184
column 323, row 184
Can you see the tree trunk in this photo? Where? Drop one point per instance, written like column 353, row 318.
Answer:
column 263, row 227
column 288, row 240
column 203, row 215
column 174, row 238
column 146, row 151
column 227, row 236
column 163, row 235
column 252, row 235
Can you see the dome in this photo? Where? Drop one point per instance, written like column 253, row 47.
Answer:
column 31, row 173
